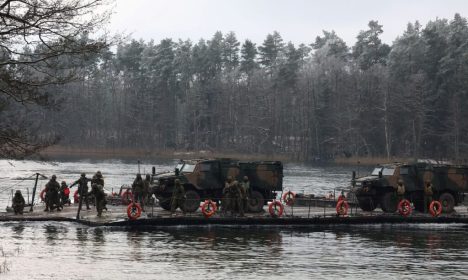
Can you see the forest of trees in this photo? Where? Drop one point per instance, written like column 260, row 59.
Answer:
column 317, row 100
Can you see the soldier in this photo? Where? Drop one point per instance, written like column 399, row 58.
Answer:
column 137, row 190
column 427, row 195
column 400, row 190
column 100, row 181
column 18, row 203
column 64, row 194
column 146, row 188
column 98, row 191
column 82, row 188
column 52, row 194
column 239, row 197
column 226, row 201
column 246, row 189
column 99, row 178
column 178, row 197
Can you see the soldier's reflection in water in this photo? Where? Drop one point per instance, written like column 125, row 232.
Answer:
column 99, row 236
column 18, row 231
column 51, row 234
column 82, row 235
column 134, row 240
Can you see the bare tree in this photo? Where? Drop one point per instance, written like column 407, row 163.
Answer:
column 41, row 44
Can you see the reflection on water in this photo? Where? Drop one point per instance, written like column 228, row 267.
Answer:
column 392, row 252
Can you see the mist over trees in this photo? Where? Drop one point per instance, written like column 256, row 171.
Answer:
column 317, row 100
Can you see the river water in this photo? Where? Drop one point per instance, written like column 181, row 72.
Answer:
column 32, row 250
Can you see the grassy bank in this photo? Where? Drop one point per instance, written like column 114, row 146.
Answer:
column 73, row 153
column 369, row 160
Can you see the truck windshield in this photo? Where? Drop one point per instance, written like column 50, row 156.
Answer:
column 188, row 168
column 376, row 171
column 388, row 171
column 179, row 166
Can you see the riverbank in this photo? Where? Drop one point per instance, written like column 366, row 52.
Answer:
column 72, row 153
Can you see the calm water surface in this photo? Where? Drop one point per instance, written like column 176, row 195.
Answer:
column 31, row 250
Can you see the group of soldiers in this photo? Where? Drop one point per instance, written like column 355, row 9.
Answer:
column 97, row 191
column 235, row 196
column 141, row 190
column 428, row 192
column 234, row 201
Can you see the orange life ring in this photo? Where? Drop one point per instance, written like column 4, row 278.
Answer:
column 133, row 211
column 42, row 195
column 404, row 207
column 435, row 208
column 289, row 198
column 208, row 208
column 342, row 207
column 127, row 196
column 276, row 208
column 76, row 197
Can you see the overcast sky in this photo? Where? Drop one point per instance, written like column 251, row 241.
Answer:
column 299, row 21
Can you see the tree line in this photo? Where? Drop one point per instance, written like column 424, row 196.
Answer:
column 311, row 101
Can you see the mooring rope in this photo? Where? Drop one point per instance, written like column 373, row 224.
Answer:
column 4, row 189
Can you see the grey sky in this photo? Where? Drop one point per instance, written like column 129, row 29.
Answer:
column 299, row 21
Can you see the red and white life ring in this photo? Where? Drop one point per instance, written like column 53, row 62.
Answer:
column 76, row 197
column 289, row 198
column 133, row 211
column 208, row 208
column 404, row 207
column 276, row 208
column 127, row 196
column 342, row 207
column 435, row 208
column 42, row 195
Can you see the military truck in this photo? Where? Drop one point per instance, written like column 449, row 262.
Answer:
column 449, row 183
column 205, row 179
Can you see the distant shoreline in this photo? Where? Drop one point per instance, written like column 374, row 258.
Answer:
column 63, row 153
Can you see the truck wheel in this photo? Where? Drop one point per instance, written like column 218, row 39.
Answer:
column 448, row 202
column 165, row 203
column 389, row 202
column 192, row 201
column 367, row 203
column 256, row 202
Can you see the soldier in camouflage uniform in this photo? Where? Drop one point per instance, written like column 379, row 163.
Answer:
column 427, row 195
column 97, row 190
column 146, row 189
column 138, row 189
column 18, row 203
column 64, row 194
column 82, row 188
column 99, row 179
column 400, row 190
column 226, row 201
column 246, row 191
column 239, row 196
column 178, row 197
column 52, row 194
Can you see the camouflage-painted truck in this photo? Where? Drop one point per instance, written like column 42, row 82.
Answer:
column 205, row 179
column 449, row 183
